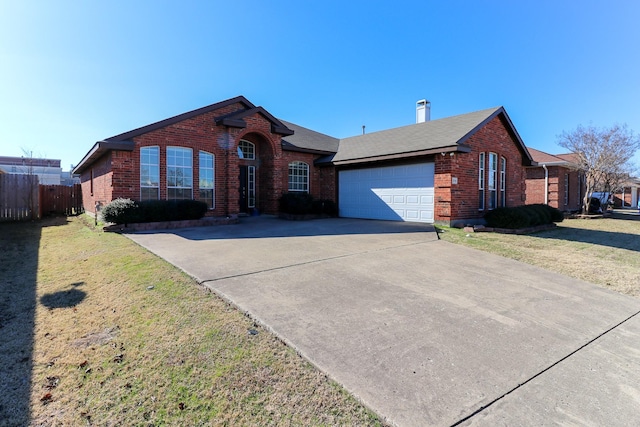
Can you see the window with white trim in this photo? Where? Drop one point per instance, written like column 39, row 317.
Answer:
column 503, row 180
column 246, row 150
column 566, row 189
column 299, row 177
column 493, row 178
column 481, row 182
column 149, row 173
column 251, row 186
column 207, row 178
column 179, row 173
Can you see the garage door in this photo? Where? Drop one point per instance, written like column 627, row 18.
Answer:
column 398, row 193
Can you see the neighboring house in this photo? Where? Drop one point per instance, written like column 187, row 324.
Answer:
column 552, row 181
column 47, row 170
column 629, row 195
column 238, row 158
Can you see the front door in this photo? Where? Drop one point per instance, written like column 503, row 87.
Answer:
column 247, row 190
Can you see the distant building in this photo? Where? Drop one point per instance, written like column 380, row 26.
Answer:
column 48, row 171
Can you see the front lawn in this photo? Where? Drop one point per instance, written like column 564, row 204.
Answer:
column 603, row 251
column 95, row 330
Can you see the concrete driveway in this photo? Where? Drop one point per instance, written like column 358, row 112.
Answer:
column 422, row 331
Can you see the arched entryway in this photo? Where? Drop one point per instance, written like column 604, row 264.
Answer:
column 255, row 175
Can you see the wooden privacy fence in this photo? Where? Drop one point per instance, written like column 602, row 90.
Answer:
column 19, row 197
column 22, row 198
column 60, row 200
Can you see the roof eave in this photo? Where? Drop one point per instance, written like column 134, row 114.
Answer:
column 458, row 148
column 293, row 148
column 99, row 149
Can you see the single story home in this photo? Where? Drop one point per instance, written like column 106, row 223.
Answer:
column 239, row 159
column 629, row 195
column 551, row 180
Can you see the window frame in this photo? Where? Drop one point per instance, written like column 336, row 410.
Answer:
column 246, row 150
column 493, row 180
column 481, row 180
column 300, row 169
column 503, row 180
column 566, row 189
column 183, row 179
column 149, row 165
column 207, row 191
column 251, row 186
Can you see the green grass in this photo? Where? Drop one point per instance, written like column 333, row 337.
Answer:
column 602, row 251
column 124, row 354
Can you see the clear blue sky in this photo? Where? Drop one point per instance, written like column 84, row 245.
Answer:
column 75, row 72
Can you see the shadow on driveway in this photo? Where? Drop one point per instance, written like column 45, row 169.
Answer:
column 267, row 226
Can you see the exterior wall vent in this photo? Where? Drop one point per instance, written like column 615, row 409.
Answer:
column 423, row 111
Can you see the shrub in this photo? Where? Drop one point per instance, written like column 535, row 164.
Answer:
column 296, row 203
column 126, row 211
column 507, row 218
column 523, row 216
column 120, row 211
column 303, row 204
column 325, row 207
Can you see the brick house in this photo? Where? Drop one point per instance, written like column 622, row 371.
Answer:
column 551, row 180
column 629, row 194
column 240, row 159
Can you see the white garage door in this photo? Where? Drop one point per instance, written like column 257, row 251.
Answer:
column 398, row 193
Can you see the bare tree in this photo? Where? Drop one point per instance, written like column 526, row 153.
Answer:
column 602, row 155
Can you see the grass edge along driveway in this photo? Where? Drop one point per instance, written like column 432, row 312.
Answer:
column 98, row 331
column 605, row 251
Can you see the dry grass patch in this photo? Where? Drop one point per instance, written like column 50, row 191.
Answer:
column 604, row 251
column 107, row 333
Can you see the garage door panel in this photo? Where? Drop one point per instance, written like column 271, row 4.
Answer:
column 401, row 193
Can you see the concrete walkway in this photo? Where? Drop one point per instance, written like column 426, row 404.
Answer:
column 422, row 331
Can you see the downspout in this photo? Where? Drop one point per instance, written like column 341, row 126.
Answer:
column 546, row 184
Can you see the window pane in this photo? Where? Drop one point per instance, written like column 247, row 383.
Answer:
column 246, row 150
column 298, row 176
column 179, row 173
column 206, row 178
column 149, row 173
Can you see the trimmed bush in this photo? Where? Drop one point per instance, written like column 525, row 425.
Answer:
column 507, row 218
column 296, row 203
column 120, row 211
column 126, row 211
column 523, row 216
column 324, row 207
column 304, row 204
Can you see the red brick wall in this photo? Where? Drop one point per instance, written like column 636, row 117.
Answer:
column 119, row 173
column 535, row 187
column 96, row 183
column 460, row 202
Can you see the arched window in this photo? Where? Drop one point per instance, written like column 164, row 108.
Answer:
column 246, row 150
column 299, row 177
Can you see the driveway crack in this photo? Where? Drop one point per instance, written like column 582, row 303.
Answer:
column 588, row 343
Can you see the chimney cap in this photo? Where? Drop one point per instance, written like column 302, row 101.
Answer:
column 423, row 111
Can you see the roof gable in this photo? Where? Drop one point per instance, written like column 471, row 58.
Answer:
column 236, row 119
column 447, row 134
column 180, row 117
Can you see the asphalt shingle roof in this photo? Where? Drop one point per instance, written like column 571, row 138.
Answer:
column 429, row 135
column 308, row 139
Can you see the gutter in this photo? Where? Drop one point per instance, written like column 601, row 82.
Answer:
column 546, row 184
